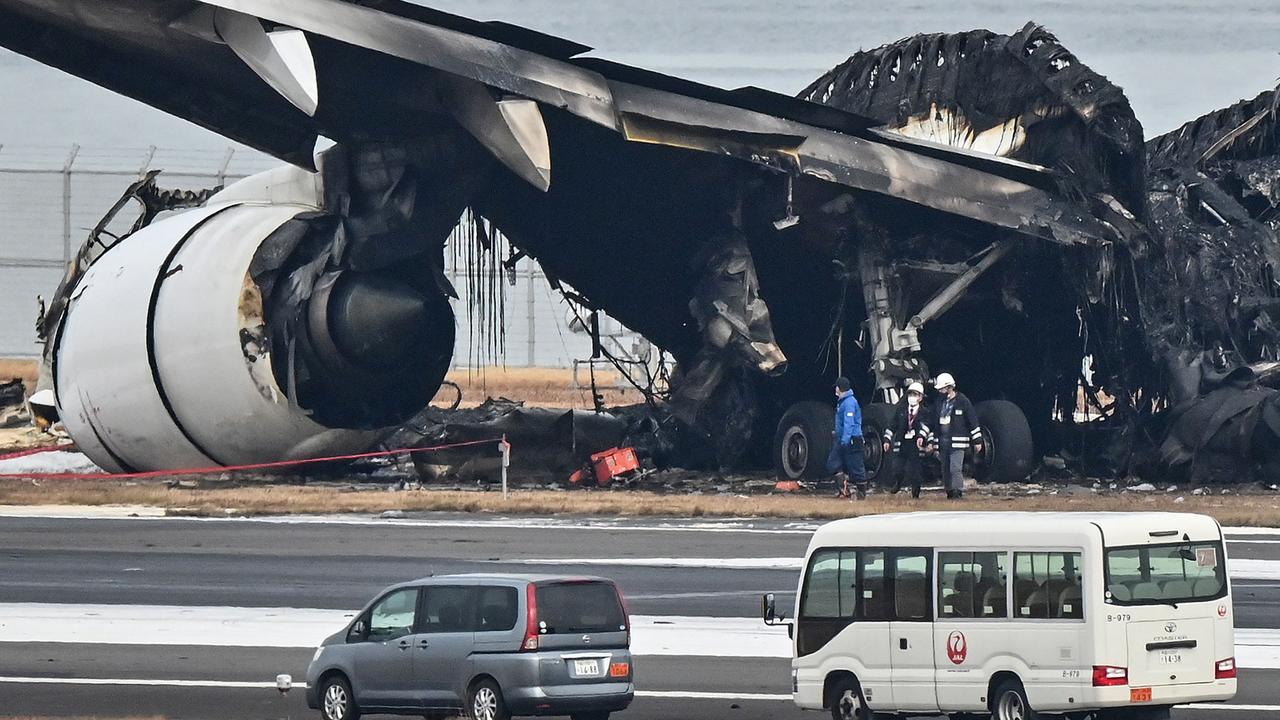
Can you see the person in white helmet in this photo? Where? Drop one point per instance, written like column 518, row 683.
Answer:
column 953, row 429
column 904, row 440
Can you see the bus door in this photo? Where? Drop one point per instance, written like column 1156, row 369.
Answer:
column 911, row 631
column 875, row 610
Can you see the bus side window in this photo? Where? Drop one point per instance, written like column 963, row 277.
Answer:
column 957, row 585
column 912, row 595
column 991, row 589
column 1047, row 585
column 1030, row 571
column 875, row 593
column 1068, row 600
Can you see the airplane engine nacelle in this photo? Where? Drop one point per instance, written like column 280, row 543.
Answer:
column 164, row 358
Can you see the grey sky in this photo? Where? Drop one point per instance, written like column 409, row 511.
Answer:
column 1176, row 59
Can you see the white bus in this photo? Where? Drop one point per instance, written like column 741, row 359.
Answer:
column 1104, row 615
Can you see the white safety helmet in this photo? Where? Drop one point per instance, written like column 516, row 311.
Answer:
column 916, row 387
column 944, row 381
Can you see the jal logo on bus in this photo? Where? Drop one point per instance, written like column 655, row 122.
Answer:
column 957, row 648
column 1222, row 611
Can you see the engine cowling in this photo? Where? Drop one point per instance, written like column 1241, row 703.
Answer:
column 165, row 357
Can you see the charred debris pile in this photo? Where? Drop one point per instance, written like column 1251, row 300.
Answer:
column 1154, row 354
column 976, row 203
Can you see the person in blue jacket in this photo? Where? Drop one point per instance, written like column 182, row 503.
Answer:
column 848, row 459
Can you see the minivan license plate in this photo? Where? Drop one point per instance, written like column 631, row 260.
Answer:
column 586, row 668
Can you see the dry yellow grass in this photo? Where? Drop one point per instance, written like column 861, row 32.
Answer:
column 272, row 500
column 26, row 370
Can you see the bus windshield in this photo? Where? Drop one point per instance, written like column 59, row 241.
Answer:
column 1166, row 574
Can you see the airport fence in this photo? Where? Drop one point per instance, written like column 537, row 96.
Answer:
column 50, row 198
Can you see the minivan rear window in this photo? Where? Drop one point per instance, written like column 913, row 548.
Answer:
column 579, row 607
column 1166, row 574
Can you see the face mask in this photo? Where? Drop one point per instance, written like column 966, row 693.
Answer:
column 913, row 400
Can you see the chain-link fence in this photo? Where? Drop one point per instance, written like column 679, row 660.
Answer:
column 51, row 197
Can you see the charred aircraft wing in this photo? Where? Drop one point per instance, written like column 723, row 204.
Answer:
column 275, row 74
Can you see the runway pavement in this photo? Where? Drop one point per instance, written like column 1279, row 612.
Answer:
column 136, row 617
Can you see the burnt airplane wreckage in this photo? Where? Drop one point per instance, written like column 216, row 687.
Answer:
column 979, row 203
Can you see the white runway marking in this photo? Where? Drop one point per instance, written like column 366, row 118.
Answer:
column 773, row 563
column 1240, row 569
column 307, row 628
column 652, row 635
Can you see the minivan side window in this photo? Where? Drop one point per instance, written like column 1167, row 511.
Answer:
column 1047, row 585
column 973, row 584
column 447, row 609
column 498, row 607
column 393, row 616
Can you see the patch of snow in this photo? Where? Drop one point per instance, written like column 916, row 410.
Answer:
column 57, row 461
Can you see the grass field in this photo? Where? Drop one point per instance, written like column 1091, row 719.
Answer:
column 1248, row 510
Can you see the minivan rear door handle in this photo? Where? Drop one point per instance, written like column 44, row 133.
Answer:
column 423, row 643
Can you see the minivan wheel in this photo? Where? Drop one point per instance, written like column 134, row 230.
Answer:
column 590, row 716
column 1011, row 703
column 336, row 702
column 485, row 702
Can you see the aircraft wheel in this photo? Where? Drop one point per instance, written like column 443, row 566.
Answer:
column 1008, row 452
column 803, row 441
column 875, row 418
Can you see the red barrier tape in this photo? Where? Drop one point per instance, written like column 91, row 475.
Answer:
column 36, row 451
column 219, row 469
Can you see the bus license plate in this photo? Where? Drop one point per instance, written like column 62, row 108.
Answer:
column 1170, row 658
column 1140, row 695
column 586, row 668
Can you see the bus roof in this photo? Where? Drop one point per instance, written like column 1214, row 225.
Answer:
column 980, row 528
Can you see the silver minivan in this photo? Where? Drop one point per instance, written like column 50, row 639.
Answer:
column 491, row 646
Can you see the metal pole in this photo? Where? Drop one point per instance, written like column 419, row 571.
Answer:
column 532, row 319
column 226, row 163
column 66, row 204
column 146, row 163
column 504, row 449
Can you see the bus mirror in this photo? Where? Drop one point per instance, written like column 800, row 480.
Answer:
column 769, row 609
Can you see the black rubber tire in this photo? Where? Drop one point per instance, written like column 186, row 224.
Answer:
column 803, row 441
column 875, row 418
column 840, row 709
column 353, row 710
column 500, row 711
column 1007, row 687
column 1008, row 452
column 590, row 716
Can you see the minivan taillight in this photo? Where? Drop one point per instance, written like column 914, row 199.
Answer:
column 1225, row 669
column 531, row 625
column 1108, row 676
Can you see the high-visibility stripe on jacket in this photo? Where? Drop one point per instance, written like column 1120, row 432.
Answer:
column 953, row 423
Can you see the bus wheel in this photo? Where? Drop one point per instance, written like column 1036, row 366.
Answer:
column 1010, row 702
column 848, row 703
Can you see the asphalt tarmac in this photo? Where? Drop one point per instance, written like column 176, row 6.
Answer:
column 340, row 565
